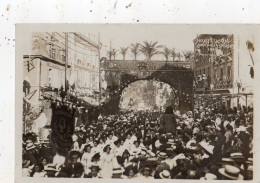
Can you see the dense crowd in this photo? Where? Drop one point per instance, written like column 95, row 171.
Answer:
column 206, row 143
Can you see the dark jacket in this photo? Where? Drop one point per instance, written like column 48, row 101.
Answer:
column 168, row 123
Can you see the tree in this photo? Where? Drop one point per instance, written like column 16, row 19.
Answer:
column 166, row 53
column 110, row 54
column 178, row 55
column 123, row 51
column 173, row 54
column 114, row 52
column 187, row 54
column 150, row 49
column 134, row 49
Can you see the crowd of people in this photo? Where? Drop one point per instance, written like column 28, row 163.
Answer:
column 206, row 143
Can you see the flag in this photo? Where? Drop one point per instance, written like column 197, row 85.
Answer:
column 62, row 126
column 252, row 72
column 250, row 46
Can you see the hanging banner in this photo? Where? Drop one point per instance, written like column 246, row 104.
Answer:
column 212, row 47
column 62, row 125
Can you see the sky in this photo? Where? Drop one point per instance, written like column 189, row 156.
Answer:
column 172, row 36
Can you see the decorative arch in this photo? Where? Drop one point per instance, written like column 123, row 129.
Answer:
column 180, row 78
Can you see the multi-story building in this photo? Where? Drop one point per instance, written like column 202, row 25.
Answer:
column 217, row 59
column 85, row 70
column 44, row 63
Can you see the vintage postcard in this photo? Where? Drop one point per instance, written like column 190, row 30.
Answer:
column 135, row 101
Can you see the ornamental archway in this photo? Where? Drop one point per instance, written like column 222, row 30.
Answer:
column 119, row 74
column 148, row 95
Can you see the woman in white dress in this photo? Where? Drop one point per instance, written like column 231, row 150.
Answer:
column 86, row 157
column 107, row 159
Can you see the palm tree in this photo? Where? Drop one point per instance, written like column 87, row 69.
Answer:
column 173, row 54
column 114, row 52
column 123, row 51
column 187, row 54
column 150, row 49
column 134, row 49
column 166, row 53
column 110, row 54
column 178, row 55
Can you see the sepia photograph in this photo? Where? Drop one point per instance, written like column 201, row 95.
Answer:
column 128, row 101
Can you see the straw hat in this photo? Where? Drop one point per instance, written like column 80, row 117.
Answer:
column 51, row 167
column 170, row 141
column 117, row 169
column 165, row 174
column 209, row 176
column 227, row 161
column 207, row 147
column 231, row 172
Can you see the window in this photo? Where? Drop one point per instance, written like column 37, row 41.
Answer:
column 221, row 73
column 204, row 71
column 228, row 74
column 52, row 51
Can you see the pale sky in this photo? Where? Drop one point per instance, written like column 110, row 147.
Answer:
column 171, row 36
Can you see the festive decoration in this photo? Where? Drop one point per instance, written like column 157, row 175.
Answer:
column 62, row 128
column 181, row 79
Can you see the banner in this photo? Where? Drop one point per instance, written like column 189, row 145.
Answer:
column 62, row 125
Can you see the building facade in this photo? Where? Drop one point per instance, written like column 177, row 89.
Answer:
column 44, row 64
column 217, row 66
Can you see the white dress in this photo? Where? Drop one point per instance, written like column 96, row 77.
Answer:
column 106, row 165
column 95, row 150
column 86, row 159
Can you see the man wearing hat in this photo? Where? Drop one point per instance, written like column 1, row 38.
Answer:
column 209, row 176
column 94, row 172
column 118, row 171
column 230, row 172
column 165, row 174
column 51, row 170
column 145, row 173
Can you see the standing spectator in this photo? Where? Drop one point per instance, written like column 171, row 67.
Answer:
column 168, row 122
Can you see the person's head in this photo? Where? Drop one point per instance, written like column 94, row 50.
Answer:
column 38, row 167
column 126, row 154
column 146, row 171
column 87, row 148
column 141, row 140
column 107, row 149
column 136, row 143
column 51, row 170
column 122, row 142
column 74, row 156
column 169, row 110
column 44, row 161
column 94, row 170
column 117, row 143
column 130, row 173
column 96, row 157
column 110, row 136
column 87, row 140
column 128, row 136
column 95, row 143
column 91, row 138
column 101, row 141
